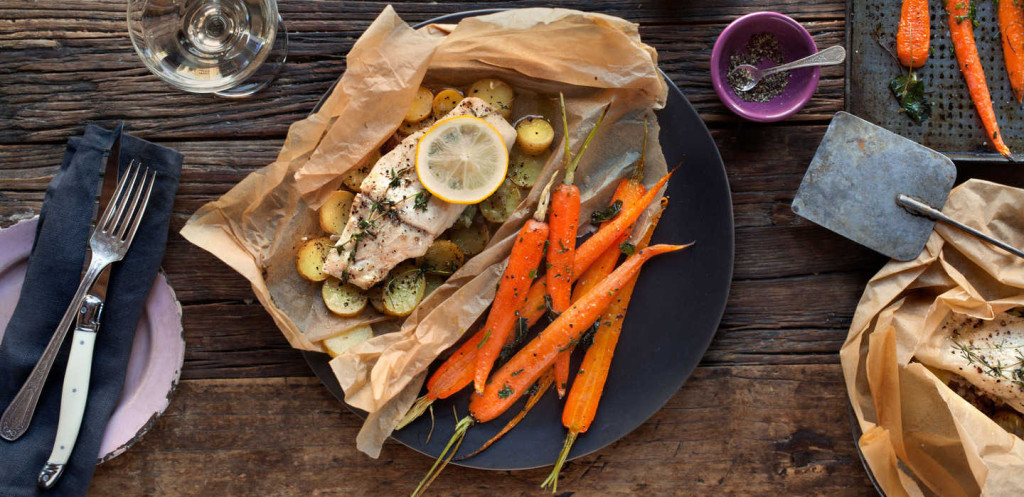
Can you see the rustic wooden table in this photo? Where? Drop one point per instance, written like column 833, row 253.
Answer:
column 765, row 413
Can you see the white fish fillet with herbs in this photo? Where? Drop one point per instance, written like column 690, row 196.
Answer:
column 393, row 218
column 989, row 354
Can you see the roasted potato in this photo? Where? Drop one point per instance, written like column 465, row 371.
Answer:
column 311, row 256
column 334, row 213
column 524, row 169
column 534, row 134
column 341, row 342
column 421, row 106
column 355, row 177
column 376, row 298
column 433, row 282
column 343, row 299
column 445, row 101
column 471, row 240
column 465, row 219
column 403, row 291
column 443, row 257
column 495, row 92
column 407, row 128
column 500, row 205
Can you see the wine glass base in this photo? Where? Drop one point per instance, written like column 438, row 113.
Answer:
column 268, row 69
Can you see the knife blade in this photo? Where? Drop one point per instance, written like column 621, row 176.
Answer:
column 75, row 390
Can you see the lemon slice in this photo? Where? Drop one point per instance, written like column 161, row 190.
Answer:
column 461, row 160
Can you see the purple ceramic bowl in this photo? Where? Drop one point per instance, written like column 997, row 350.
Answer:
column 796, row 43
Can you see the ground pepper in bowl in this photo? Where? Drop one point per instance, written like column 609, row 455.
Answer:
column 760, row 47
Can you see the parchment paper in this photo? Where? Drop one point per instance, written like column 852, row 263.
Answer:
column 258, row 226
column 918, row 434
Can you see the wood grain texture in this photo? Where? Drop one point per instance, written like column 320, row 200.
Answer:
column 761, row 430
column 765, row 413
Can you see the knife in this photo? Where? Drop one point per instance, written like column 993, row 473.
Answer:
column 75, row 391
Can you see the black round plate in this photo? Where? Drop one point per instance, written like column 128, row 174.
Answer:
column 675, row 311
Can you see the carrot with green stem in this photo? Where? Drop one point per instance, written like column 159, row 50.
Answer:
column 1011, row 27
column 581, row 406
column 961, row 30
column 459, row 369
column 513, row 379
column 914, row 33
column 564, row 219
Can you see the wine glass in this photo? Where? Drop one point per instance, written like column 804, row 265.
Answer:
column 232, row 48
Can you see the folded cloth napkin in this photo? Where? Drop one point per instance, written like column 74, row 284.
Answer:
column 54, row 271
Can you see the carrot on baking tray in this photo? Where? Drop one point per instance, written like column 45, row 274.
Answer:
column 1011, row 29
column 961, row 30
column 913, row 35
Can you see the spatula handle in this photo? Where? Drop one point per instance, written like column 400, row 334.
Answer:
column 922, row 209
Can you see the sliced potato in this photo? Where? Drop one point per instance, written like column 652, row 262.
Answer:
column 355, row 177
column 311, row 256
column 407, row 128
column 403, row 292
column 524, row 169
column 376, row 298
column 334, row 213
column 343, row 341
column 534, row 134
column 500, row 205
column 433, row 282
column 445, row 101
column 343, row 299
column 471, row 240
column 495, row 92
column 465, row 219
column 421, row 106
column 443, row 257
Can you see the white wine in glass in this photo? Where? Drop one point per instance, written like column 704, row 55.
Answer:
column 229, row 47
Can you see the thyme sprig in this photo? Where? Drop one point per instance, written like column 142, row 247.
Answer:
column 971, row 354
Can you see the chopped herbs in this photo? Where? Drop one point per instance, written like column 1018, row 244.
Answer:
column 533, row 273
column 627, row 248
column 606, row 214
column 517, row 372
column 909, row 92
column 422, row 200
column 482, row 342
column 505, row 392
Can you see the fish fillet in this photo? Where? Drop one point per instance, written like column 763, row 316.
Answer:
column 989, row 354
column 377, row 238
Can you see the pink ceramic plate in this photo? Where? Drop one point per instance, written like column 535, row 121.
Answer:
column 157, row 352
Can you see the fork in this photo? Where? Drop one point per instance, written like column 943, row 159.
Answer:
column 109, row 242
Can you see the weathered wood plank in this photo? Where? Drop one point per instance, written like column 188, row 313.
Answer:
column 62, row 70
column 778, row 430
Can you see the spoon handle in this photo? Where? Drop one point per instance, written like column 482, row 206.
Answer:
column 827, row 57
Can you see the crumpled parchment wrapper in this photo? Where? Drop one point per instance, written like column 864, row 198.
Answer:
column 257, row 227
column 920, row 437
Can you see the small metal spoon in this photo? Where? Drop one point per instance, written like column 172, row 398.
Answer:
column 827, row 57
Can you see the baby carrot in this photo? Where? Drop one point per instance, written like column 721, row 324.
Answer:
column 513, row 379
column 564, row 219
column 1011, row 26
column 913, row 36
column 523, row 261
column 961, row 30
column 627, row 193
column 581, row 406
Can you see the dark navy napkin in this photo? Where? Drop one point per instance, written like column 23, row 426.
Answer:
column 54, row 271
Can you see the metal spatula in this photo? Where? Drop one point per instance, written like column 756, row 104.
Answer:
column 879, row 189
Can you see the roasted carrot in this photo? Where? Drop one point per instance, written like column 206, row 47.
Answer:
column 961, row 30
column 513, row 379
column 914, row 32
column 564, row 223
column 1011, row 26
column 523, row 262
column 627, row 193
column 581, row 406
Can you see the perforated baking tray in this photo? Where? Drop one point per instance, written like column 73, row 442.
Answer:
column 954, row 128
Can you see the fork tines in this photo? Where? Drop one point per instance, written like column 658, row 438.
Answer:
column 122, row 216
